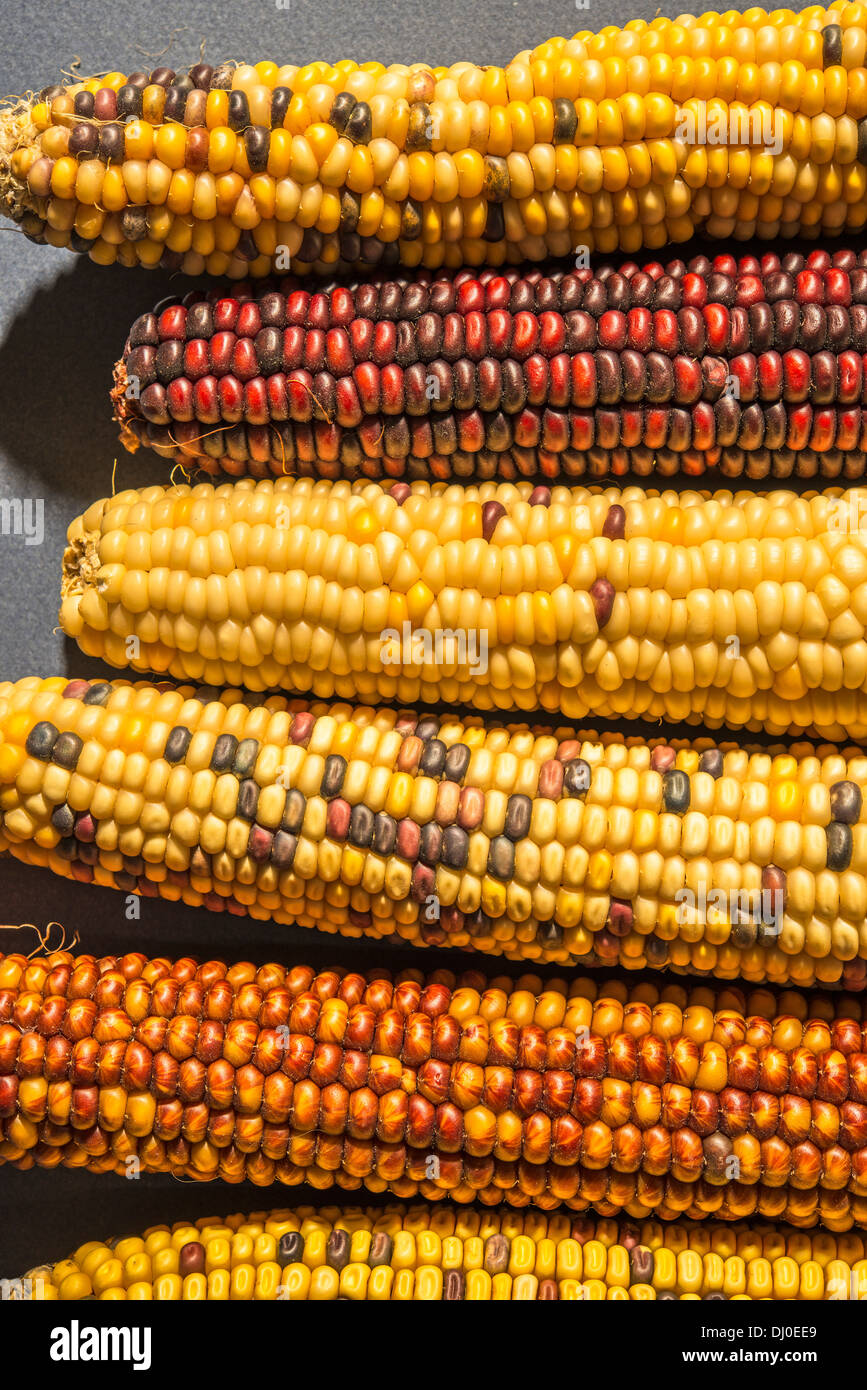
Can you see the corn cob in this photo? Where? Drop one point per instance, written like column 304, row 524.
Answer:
column 501, row 1091
column 541, row 846
column 732, row 125
column 753, row 366
column 723, row 608
column 419, row 1253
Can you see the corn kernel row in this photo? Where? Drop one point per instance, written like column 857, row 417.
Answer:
column 431, row 1254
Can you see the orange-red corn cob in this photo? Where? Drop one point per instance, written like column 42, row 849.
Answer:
column 623, row 1101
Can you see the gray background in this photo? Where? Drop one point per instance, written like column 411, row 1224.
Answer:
column 63, row 322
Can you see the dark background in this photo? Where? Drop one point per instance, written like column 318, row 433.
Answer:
column 63, row 322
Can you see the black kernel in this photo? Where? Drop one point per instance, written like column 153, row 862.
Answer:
column 549, row 934
column 177, row 744
column 224, row 752
column 565, row 121
column 63, row 820
column 519, row 809
column 430, row 843
column 846, row 802
column 359, row 127
column 67, row 751
column 457, row 762
column 433, row 758
column 129, row 101
column 248, row 799
column 384, row 833
column 97, row 694
column 291, row 1248
column 501, row 857
column 257, row 144
column 361, row 825
column 455, row 847
column 576, row 777
column 832, row 46
column 341, row 110
column 675, row 791
column 333, row 775
column 245, row 757
column 239, row 110
column 337, row 1249
column 711, row 762
column 283, row 850
column 293, row 811
column 41, row 740
column 280, row 99
column 839, row 838
column 381, row 1249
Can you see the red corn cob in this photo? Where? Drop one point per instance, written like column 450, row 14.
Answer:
column 754, row 367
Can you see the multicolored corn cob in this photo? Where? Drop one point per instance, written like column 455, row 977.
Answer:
column 443, row 1254
column 725, row 608
column 542, row 845
column 752, row 366
column 735, row 125
column 503, row 1091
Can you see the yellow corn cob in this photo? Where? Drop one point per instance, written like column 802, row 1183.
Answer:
column 432, row 1254
column 734, row 125
column 669, row 1103
column 725, row 608
column 542, row 845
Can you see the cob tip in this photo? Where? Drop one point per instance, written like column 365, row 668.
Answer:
column 122, row 413
column 16, row 130
column 81, row 564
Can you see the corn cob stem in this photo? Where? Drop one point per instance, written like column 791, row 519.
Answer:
column 726, row 608
column 626, row 1102
column 546, row 845
column 734, row 125
column 433, row 1254
column 509, row 375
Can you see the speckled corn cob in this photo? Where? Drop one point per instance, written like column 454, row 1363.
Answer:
column 592, row 141
column 425, row 1254
column 754, row 367
column 542, row 845
column 501, row 1091
column 725, row 608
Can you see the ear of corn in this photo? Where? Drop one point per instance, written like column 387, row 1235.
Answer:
column 728, row 608
column 752, row 366
column 432, row 1254
column 735, row 125
column 656, row 1105
column 545, row 845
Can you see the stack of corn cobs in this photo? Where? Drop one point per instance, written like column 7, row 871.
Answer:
column 425, row 519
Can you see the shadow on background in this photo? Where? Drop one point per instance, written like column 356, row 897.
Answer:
column 56, row 363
